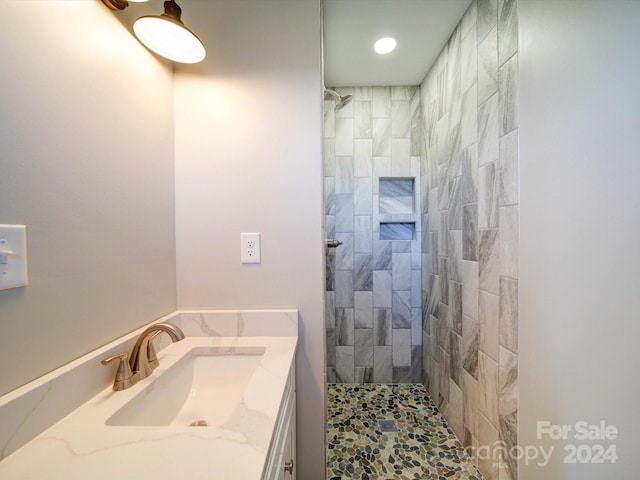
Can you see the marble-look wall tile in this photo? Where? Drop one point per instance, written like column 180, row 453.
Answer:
column 455, row 356
column 363, row 158
column 344, row 175
column 382, row 255
column 454, row 409
column 509, row 170
column 401, row 309
column 469, row 163
column 509, row 238
column 487, row 197
column 401, row 347
column 344, row 213
column 400, row 157
column 509, row 314
column 401, row 247
column 363, row 272
column 329, row 157
column 470, row 289
column 363, row 236
column 362, row 93
column 344, row 289
column 469, row 123
column 488, row 389
column 488, row 317
column 507, row 29
column 330, row 309
column 363, row 375
column 382, row 326
column 508, row 96
column 329, row 195
column 381, row 98
column 487, row 16
column 400, row 119
column 344, row 326
column 416, row 326
column 470, row 232
column 344, row 137
column 489, row 260
column 330, row 270
column 469, row 102
column 469, row 61
column 416, row 289
column 455, row 306
column 363, row 356
column 363, row 306
column 363, row 192
column 331, row 347
column 508, row 404
column 381, row 143
column 488, row 66
column 382, row 364
column 488, row 436
column 344, row 254
column 401, row 271
column 402, row 92
column 454, row 252
column 381, row 168
column 470, row 400
column 488, row 127
column 363, row 119
column 470, row 343
column 382, row 289
column 443, row 278
column 344, row 364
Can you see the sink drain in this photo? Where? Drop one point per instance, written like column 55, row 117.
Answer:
column 199, row 423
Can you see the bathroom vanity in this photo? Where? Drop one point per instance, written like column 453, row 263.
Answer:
column 220, row 405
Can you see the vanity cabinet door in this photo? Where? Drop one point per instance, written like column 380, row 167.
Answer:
column 287, row 469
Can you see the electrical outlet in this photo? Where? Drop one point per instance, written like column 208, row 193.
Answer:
column 250, row 248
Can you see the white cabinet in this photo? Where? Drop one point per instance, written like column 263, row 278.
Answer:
column 281, row 461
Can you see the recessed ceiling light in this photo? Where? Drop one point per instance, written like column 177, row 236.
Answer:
column 385, row 45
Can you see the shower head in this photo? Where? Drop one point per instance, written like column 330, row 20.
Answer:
column 341, row 100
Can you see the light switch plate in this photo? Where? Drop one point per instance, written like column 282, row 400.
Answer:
column 13, row 251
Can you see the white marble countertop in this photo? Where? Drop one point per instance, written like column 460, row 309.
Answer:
column 81, row 446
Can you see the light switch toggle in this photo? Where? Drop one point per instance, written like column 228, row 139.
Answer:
column 4, row 256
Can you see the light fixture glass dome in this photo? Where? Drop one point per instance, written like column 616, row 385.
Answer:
column 385, row 45
column 167, row 36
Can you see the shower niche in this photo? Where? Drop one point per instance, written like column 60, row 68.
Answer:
column 396, row 208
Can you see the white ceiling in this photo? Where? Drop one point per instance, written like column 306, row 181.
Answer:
column 422, row 28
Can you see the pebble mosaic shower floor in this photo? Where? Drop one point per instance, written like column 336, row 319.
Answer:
column 391, row 432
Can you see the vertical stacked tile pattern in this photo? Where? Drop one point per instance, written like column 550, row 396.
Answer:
column 470, row 218
column 373, row 298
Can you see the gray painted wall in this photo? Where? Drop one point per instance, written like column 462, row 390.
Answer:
column 86, row 162
column 580, row 224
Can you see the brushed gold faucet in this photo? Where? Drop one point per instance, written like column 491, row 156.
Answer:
column 143, row 358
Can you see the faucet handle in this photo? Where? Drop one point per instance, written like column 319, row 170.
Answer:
column 124, row 376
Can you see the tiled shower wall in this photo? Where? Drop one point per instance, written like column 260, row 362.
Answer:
column 470, row 224
column 373, row 291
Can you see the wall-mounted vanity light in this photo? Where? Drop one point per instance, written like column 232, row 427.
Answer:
column 165, row 34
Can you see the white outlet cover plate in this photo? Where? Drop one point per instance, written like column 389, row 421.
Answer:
column 13, row 274
column 250, row 248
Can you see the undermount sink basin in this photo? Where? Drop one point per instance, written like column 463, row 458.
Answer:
column 201, row 389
